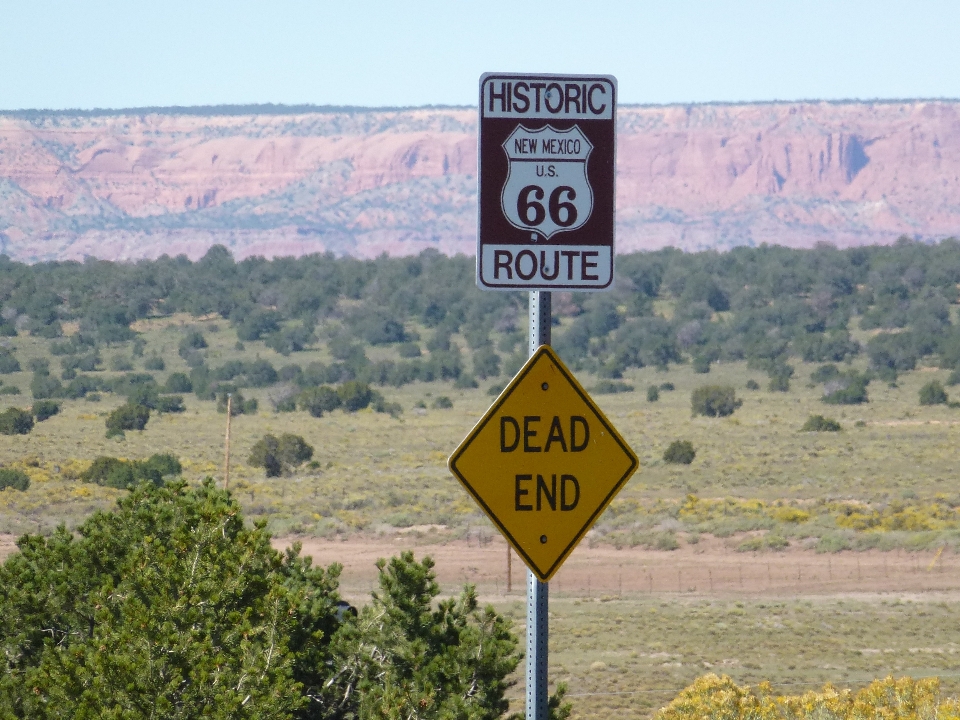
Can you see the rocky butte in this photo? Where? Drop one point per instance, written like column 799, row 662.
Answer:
column 274, row 180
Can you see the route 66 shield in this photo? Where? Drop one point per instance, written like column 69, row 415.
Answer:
column 547, row 189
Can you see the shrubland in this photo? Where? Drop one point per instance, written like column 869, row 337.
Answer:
column 170, row 605
column 376, row 366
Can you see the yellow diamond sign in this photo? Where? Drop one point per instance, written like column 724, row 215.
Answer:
column 543, row 463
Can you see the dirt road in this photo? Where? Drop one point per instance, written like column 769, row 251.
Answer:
column 708, row 568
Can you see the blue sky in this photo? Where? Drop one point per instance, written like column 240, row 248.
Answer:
column 124, row 53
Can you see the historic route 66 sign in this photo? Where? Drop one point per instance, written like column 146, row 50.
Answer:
column 546, row 176
column 547, row 189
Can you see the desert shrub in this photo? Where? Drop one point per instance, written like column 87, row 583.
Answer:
column 44, row 409
column 8, row 362
column 126, row 474
column 701, row 364
column 154, row 362
column 44, row 385
column 711, row 697
column 278, row 454
column 824, row 373
column 818, row 423
column 318, row 400
column 127, row 417
column 779, row 374
column 86, row 363
column 847, row 389
column 354, row 395
column 714, row 401
column 612, row 387
column 411, row 350
column 766, row 542
column 933, row 394
column 193, row 339
column 667, row 387
column 260, row 373
column 752, row 384
column 121, row 363
column 14, row 479
column 466, row 381
column 38, row 365
column 680, row 452
column 495, row 389
column 170, row 404
column 9, row 390
column 666, row 540
column 178, row 382
column 486, row 363
column 953, row 378
column 779, row 383
column 380, row 405
column 14, row 421
column 653, row 393
column 290, row 373
column 442, row 403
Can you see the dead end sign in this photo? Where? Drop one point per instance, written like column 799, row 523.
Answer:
column 543, row 463
column 546, row 182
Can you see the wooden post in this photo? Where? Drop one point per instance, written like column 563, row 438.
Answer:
column 509, row 568
column 226, row 444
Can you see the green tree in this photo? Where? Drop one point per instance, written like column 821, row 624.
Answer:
column 127, row 417
column 167, row 607
column 14, row 421
column 846, row 389
column 680, row 452
column 318, row 400
column 486, row 363
column 714, row 401
column 355, row 395
column 12, row 478
column 45, row 409
column 407, row 655
column 819, row 423
column 44, row 385
column 278, row 454
column 933, row 393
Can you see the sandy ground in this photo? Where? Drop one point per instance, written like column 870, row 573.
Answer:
column 708, row 568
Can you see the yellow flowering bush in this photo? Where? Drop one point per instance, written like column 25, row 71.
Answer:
column 713, row 697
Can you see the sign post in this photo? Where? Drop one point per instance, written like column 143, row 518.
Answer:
column 544, row 462
column 538, row 593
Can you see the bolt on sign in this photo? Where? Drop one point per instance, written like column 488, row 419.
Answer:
column 543, row 463
column 546, row 177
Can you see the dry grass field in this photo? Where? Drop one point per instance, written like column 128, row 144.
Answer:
column 802, row 557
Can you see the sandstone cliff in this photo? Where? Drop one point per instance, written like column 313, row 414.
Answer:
column 361, row 182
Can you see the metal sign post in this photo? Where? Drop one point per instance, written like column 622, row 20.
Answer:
column 544, row 461
column 538, row 593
